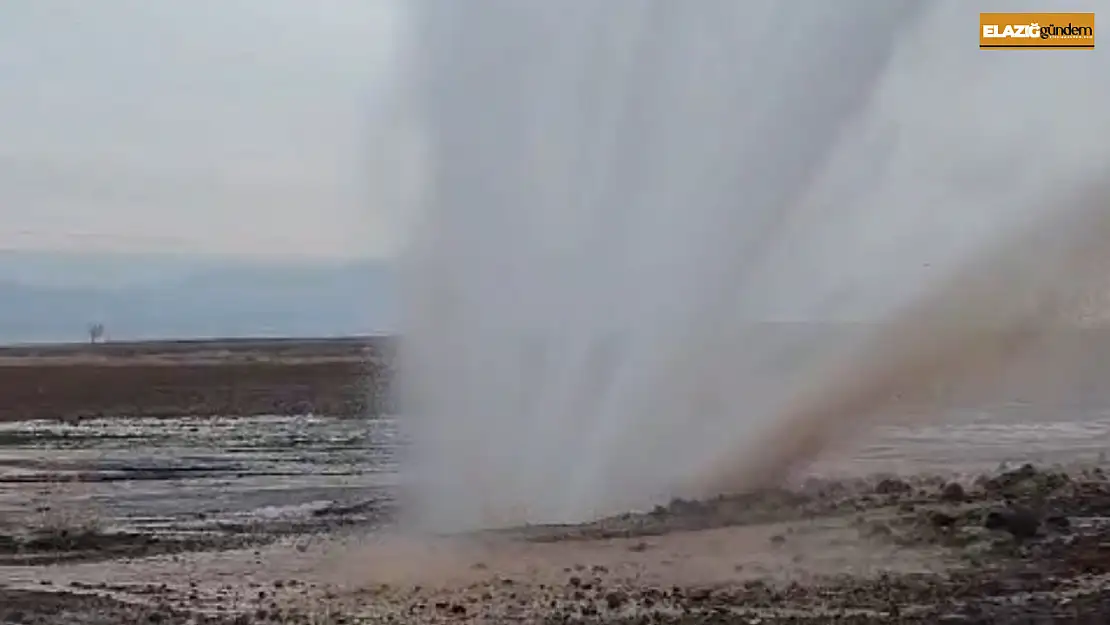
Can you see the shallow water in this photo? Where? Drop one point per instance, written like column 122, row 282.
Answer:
column 978, row 441
column 178, row 474
column 154, row 473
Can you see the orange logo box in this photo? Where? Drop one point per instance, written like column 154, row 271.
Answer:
column 1045, row 31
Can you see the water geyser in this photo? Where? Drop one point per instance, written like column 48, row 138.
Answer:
column 671, row 248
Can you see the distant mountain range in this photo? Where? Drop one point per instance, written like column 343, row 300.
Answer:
column 55, row 297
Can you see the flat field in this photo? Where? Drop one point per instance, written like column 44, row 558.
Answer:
column 241, row 482
column 338, row 377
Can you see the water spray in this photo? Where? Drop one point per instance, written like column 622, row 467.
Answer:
column 667, row 248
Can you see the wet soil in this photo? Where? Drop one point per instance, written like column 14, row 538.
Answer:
column 340, row 377
column 1027, row 545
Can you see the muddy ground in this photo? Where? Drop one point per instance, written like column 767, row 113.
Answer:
column 1028, row 545
column 339, row 377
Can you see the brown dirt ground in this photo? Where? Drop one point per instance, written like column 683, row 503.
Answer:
column 340, row 377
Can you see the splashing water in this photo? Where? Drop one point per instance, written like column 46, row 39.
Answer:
column 678, row 247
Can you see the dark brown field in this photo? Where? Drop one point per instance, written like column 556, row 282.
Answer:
column 337, row 377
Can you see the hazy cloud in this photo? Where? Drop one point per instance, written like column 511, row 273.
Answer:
column 201, row 125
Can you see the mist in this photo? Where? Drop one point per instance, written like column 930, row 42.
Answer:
column 666, row 248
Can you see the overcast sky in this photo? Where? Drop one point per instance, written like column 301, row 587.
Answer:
column 208, row 126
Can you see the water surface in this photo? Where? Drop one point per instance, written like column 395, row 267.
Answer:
column 189, row 472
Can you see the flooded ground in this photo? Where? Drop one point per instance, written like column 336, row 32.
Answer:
column 191, row 474
column 176, row 475
column 161, row 472
column 980, row 440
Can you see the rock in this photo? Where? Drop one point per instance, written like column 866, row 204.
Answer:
column 1019, row 522
column 614, row 600
column 1021, row 481
column 1058, row 522
column 940, row 519
column 699, row 594
column 892, row 486
column 953, row 492
column 995, row 520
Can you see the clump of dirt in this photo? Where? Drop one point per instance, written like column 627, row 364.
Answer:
column 1023, row 509
column 814, row 499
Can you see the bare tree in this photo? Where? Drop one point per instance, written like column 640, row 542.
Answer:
column 96, row 332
